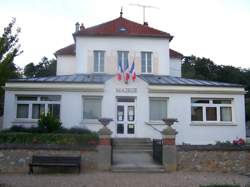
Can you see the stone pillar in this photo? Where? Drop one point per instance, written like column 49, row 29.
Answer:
column 104, row 148
column 169, row 149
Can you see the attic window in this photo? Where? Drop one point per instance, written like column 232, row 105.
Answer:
column 122, row 29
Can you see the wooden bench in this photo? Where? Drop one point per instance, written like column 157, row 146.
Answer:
column 55, row 161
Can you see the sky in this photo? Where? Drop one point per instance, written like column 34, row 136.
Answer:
column 215, row 29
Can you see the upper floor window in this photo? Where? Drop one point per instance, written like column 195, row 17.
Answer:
column 123, row 59
column 211, row 110
column 31, row 107
column 99, row 61
column 146, row 62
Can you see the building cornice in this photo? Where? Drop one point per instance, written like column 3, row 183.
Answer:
column 196, row 90
column 54, row 87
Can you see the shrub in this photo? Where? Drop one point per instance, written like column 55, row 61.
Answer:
column 73, row 130
column 18, row 128
column 48, row 138
column 226, row 143
column 48, row 123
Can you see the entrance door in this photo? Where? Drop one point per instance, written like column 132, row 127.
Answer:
column 125, row 119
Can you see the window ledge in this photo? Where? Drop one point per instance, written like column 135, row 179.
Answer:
column 213, row 124
column 90, row 121
column 155, row 123
column 25, row 121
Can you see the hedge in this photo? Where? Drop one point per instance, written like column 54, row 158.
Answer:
column 72, row 130
column 48, row 138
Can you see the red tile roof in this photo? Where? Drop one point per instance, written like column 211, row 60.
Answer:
column 122, row 27
column 175, row 54
column 70, row 50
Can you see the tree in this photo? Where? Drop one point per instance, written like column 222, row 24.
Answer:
column 44, row 68
column 9, row 49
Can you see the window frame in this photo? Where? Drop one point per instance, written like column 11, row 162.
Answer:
column 123, row 54
column 37, row 101
column 88, row 120
column 99, row 52
column 157, row 98
column 218, row 110
column 147, row 61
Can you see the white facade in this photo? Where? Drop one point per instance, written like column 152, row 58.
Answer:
column 66, row 65
column 175, row 67
column 86, row 45
column 134, row 106
column 178, row 106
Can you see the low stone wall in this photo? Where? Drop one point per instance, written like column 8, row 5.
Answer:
column 214, row 158
column 16, row 158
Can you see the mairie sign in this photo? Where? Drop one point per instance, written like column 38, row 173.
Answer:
column 126, row 90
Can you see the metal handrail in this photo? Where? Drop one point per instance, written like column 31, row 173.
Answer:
column 153, row 127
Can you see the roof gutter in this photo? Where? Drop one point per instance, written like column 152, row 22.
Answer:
column 197, row 89
column 17, row 86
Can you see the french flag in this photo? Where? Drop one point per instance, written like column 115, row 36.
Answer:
column 132, row 71
column 120, row 71
column 126, row 70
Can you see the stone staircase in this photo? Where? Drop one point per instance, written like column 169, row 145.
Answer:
column 134, row 155
column 132, row 145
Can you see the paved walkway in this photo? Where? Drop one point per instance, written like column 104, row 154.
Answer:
column 133, row 159
column 107, row 179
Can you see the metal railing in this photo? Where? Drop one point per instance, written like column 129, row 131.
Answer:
column 157, row 150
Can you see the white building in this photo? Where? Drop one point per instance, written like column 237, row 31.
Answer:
column 86, row 88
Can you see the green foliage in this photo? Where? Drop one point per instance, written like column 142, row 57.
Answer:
column 226, row 143
column 45, row 68
column 9, row 49
column 73, row 130
column 49, row 123
column 205, row 69
column 48, row 138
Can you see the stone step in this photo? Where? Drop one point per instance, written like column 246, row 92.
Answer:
column 134, row 148
column 132, row 144
column 138, row 169
column 132, row 151
column 131, row 140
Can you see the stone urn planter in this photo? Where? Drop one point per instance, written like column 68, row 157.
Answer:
column 169, row 130
column 105, row 130
column 169, row 121
column 169, row 161
column 105, row 121
column 104, row 147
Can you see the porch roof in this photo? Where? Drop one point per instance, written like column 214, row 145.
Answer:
column 76, row 78
column 165, row 80
column 97, row 78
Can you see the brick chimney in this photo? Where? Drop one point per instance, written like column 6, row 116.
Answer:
column 77, row 27
column 82, row 26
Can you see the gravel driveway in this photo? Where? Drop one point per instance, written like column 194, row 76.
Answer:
column 108, row 179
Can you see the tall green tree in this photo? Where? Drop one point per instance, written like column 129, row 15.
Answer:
column 44, row 68
column 9, row 49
